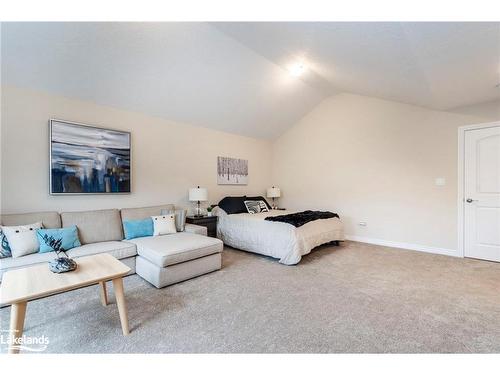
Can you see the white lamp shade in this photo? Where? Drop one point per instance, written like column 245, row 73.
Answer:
column 198, row 194
column 273, row 192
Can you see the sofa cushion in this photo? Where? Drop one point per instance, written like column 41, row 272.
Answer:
column 144, row 212
column 25, row 261
column 95, row 226
column 163, row 276
column 176, row 248
column 118, row 249
column 196, row 229
column 48, row 219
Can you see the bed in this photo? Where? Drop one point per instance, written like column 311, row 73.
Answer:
column 251, row 232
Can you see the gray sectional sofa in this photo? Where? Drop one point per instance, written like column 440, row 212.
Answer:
column 161, row 260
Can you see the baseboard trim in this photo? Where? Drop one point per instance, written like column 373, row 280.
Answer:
column 403, row 245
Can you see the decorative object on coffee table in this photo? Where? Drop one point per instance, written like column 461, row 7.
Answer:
column 62, row 263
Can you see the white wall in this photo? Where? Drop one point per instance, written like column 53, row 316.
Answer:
column 375, row 161
column 488, row 111
column 167, row 158
column 367, row 159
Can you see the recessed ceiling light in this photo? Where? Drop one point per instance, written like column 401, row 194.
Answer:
column 297, row 69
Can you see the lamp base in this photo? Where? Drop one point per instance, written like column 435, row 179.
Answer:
column 273, row 205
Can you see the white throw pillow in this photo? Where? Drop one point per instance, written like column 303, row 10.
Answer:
column 164, row 224
column 180, row 218
column 22, row 239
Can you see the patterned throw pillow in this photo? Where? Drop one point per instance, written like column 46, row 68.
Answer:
column 68, row 236
column 254, row 207
column 4, row 246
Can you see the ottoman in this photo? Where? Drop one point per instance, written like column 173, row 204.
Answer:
column 169, row 259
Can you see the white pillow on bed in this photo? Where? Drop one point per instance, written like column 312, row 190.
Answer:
column 254, row 207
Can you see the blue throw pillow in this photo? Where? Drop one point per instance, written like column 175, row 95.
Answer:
column 69, row 237
column 138, row 228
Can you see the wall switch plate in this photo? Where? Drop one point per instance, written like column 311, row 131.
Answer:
column 362, row 223
column 440, row 181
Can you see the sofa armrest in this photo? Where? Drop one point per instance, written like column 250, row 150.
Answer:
column 196, row 229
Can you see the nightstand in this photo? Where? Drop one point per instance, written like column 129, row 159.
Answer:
column 210, row 222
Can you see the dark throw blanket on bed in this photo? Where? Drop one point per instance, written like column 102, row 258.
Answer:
column 300, row 218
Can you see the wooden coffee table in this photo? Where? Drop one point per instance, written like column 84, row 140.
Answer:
column 22, row 285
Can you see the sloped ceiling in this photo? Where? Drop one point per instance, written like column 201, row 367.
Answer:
column 186, row 72
column 437, row 65
column 233, row 76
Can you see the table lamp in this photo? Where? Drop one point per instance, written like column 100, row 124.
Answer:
column 198, row 195
column 273, row 192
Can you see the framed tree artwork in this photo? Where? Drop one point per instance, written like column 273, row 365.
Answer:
column 231, row 171
column 88, row 160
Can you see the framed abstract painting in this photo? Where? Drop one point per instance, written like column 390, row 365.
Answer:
column 88, row 160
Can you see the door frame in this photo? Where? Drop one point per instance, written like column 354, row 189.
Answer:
column 461, row 180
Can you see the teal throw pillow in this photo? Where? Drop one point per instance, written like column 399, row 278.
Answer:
column 68, row 236
column 138, row 228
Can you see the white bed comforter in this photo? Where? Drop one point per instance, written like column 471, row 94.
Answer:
column 283, row 241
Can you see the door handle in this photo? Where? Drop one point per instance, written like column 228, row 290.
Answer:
column 468, row 200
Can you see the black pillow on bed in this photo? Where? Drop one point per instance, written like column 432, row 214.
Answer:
column 236, row 205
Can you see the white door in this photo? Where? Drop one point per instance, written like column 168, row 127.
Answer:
column 482, row 193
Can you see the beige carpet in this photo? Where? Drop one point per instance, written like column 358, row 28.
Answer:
column 353, row 298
